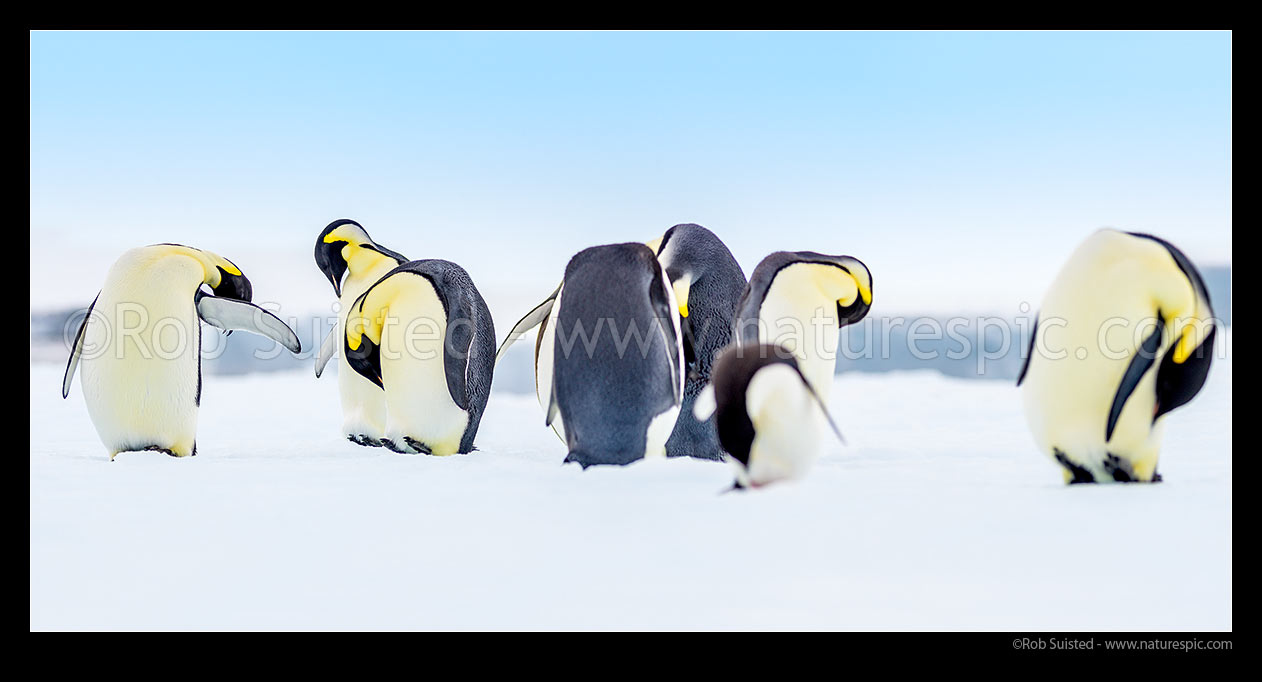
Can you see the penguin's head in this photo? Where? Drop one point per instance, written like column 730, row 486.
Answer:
column 851, row 307
column 1191, row 320
column 232, row 282
column 223, row 276
column 697, row 262
column 343, row 245
column 685, row 252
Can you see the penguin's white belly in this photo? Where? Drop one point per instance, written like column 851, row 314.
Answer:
column 418, row 402
column 659, row 431
column 787, row 425
column 363, row 402
column 139, row 373
column 805, row 324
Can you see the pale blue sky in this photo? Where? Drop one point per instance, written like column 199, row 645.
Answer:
column 961, row 167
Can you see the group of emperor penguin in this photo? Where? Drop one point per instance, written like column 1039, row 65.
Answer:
column 654, row 349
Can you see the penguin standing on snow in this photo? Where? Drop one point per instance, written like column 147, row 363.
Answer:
column 140, row 344
column 801, row 300
column 424, row 336
column 766, row 414
column 707, row 283
column 544, row 316
column 344, row 249
column 1124, row 336
column 617, row 371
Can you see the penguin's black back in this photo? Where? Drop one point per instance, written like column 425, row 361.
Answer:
column 712, row 302
column 733, row 370
column 607, row 397
column 467, row 314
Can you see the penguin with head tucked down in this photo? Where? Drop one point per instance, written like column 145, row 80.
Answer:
column 707, row 283
column 424, row 336
column 617, row 370
column 544, row 316
column 344, row 249
column 801, row 300
column 140, row 344
column 767, row 416
column 1124, row 336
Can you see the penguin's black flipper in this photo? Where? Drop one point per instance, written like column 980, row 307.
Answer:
column 76, row 350
column 1140, row 364
column 1025, row 366
column 820, row 401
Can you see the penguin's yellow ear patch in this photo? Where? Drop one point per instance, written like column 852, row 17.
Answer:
column 682, row 287
column 348, row 233
column 654, row 244
column 1191, row 336
column 864, row 292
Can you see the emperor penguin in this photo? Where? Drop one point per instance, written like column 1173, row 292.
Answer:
column 423, row 335
column 544, row 317
column 707, row 283
column 140, row 344
column 768, row 417
column 801, row 300
column 344, row 249
column 1124, row 335
column 617, row 370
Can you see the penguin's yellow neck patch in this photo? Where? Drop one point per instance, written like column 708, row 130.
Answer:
column 210, row 262
column 835, row 283
column 359, row 260
column 346, row 233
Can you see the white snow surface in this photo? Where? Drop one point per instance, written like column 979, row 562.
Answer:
column 939, row 514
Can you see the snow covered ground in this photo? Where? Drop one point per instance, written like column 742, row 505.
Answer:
column 938, row 515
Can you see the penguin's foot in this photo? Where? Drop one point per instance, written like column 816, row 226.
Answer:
column 417, row 445
column 1073, row 472
column 159, row 448
column 1119, row 469
column 394, row 447
column 366, row 441
column 1156, row 477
